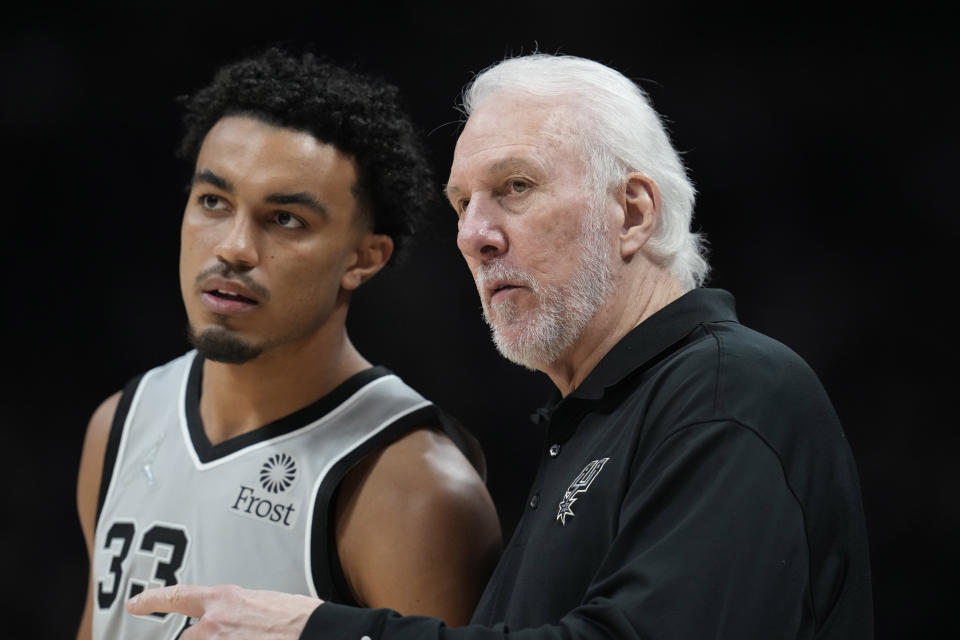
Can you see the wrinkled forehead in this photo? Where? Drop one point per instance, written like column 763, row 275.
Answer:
column 508, row 124
column 513, row 118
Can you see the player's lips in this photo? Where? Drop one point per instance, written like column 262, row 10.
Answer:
column 222, row 295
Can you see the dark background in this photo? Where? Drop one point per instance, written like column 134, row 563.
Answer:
column 822, row 142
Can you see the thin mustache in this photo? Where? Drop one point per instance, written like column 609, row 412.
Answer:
column 228, row 272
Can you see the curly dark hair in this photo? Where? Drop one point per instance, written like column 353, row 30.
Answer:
column 358, row 114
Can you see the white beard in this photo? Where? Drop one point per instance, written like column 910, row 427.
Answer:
column 539, row 337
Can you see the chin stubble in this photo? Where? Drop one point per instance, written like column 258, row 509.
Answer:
column 222, row 345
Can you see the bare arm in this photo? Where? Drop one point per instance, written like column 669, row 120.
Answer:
column 88, row 492
column 416, row 529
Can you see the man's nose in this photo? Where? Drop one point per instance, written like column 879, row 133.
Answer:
column 481, row 235
column 238, row 246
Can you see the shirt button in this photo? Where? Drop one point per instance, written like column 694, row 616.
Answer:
column 554, row 450
column 534, row 500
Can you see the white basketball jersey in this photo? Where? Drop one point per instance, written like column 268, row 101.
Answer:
column 252, row 511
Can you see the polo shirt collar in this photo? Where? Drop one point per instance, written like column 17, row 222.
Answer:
column 648, row 339
column 656, row 334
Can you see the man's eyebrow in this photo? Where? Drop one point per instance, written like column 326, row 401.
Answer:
column 301, row 198
column 450, row 191
column 504, row 165
column 209, row 177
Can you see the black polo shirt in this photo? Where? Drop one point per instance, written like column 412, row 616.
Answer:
column 696, row 485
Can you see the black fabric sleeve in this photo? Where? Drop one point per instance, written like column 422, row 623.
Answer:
column 330, row 621
column 711, row 543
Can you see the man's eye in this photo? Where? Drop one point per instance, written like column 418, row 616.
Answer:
column 519, row 186
column 462, row 205
column 210, row 201
column 287, row 220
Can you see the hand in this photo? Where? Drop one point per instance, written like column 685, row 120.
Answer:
column 228, row 611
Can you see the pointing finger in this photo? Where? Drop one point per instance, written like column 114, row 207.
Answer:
column 179, row 598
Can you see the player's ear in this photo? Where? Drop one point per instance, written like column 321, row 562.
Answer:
column 641, row 213
column 373, row 251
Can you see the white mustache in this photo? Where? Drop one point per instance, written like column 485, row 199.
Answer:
column 497, row 271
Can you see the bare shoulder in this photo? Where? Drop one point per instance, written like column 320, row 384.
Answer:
column 91, row 462
column 416, row 528
column 99, row 426
column 88, row 490
column 428, row 461
column 420, row 478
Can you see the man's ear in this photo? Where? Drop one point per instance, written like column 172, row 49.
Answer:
column 641, row 213
column 372, row 253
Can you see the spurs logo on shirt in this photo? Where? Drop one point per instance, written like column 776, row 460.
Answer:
column 578, row 486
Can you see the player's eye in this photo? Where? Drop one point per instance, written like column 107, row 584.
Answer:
column 287, row 220
column 212, row 202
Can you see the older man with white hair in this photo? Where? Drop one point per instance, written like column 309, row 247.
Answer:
column 696, row 481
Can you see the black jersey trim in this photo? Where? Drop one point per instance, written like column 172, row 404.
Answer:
column 113, row 440
column 208, row 452
column 328, row 578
